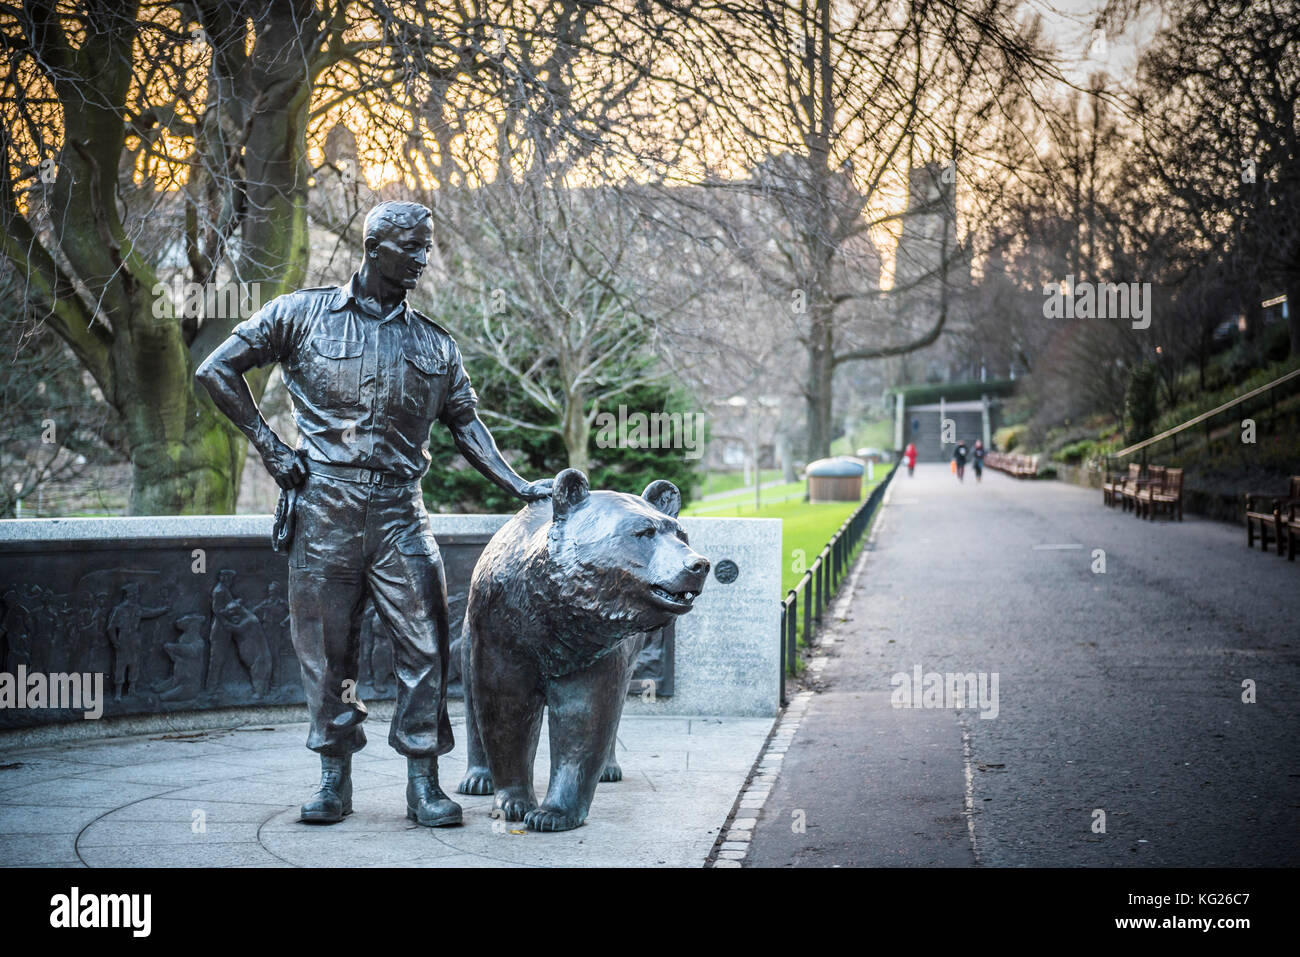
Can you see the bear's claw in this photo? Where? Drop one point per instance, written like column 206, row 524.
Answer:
column 612, row 772
column 549, row 819
column 513, row 805
column 476, row 781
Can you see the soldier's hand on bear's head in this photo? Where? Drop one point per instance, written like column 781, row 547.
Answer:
column 537, row 491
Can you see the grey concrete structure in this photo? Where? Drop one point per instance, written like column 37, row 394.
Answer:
column 728, row 651
column 228, row 798
column 725, row 656
column 179, row 614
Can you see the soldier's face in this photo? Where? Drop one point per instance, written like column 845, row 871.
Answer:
column 401, row 254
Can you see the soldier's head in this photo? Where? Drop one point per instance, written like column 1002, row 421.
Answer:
column 398, row 237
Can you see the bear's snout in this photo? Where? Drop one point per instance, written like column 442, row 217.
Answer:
column 680, row 584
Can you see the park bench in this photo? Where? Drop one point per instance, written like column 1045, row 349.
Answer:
column 1268, row 512
column 1165, row 491
column 1018, row 466
column 1112, row 490
column 1111, row 480
column 1135, row 485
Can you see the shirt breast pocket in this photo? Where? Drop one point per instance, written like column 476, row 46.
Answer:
column 338, row 363
column 423, row 382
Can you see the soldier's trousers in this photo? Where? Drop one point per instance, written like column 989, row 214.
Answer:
column 352, row 539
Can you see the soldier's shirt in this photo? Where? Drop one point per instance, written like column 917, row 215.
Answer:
column 366, row 388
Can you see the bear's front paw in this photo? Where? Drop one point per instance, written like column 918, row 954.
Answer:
column 612, row 772
column 550, row 819
column 515, row 803
column 476, row 781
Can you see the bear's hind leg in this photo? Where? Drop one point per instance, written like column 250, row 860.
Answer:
column 507, row 699
column 613, row 770
column 477, row 779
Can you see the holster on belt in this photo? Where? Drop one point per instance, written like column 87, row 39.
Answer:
column 282, row 533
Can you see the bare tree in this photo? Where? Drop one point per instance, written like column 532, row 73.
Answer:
column 145, row 143
column 827, row 106
column 544, row 282
column 518, row 137
column 1218, row 105
column 58, row 427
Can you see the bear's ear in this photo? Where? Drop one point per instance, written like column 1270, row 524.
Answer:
column 664, row 496
column 571, row 491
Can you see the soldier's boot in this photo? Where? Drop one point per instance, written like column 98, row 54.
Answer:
column 333, row 799
column 426, row 803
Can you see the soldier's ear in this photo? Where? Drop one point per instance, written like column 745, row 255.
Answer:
column 664, row 496
column 571, row 492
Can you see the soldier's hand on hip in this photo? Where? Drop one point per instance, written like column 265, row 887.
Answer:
column 287, row 466
column 536, row 491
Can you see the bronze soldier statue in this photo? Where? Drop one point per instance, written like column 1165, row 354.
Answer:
column 369, row 376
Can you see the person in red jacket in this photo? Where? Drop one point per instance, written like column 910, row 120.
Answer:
column 910, row 454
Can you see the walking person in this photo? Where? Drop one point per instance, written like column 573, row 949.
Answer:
column 977, row 459
column 959, row 459
column 910, row 454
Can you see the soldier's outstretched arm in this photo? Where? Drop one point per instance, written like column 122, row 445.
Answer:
column 222, row 374
column 475, row 442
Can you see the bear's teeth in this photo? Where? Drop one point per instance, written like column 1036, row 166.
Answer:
column 689, row 595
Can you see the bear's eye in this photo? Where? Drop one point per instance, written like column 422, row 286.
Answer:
column 646, row 532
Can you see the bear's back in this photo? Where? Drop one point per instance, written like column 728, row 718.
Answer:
column 508, row 562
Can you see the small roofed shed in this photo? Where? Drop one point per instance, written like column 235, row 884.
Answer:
column 835, row 480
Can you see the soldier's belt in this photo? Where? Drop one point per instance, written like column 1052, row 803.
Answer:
column 361, row 476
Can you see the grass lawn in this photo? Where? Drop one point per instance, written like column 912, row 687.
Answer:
column 805, row 528
column 740, row 503
column 717, row 482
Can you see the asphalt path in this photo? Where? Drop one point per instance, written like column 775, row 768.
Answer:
column 1121, row 737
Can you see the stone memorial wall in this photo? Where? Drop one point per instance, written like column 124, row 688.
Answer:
column 183, row 614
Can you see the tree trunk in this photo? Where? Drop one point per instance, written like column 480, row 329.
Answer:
column 577, row 434
column 186, row 457
column 818, row 394
column 787, row 460
column 196, row 473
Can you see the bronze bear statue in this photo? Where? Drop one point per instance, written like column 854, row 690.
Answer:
column 559, row 605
